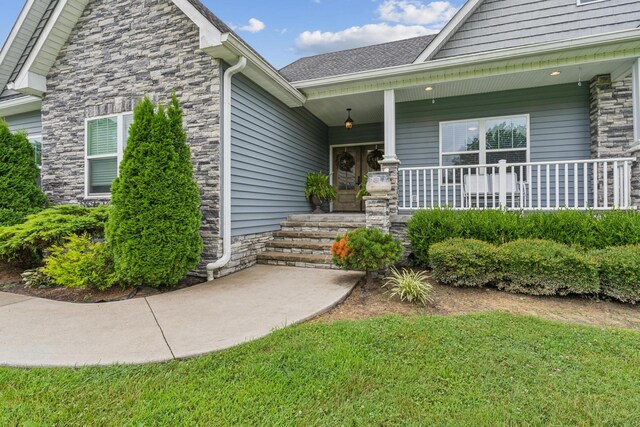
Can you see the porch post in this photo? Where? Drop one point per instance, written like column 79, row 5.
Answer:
column 391, row 161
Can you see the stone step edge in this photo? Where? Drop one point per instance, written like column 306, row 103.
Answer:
column 299, row 244
column 289, row 257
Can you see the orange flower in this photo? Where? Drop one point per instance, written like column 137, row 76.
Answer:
column 340, row 248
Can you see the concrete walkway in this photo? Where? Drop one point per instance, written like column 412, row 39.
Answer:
column 189, row 322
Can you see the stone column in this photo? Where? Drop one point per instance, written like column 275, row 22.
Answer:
column 377, row 204
column 612, row 125
column 377, row 213
column 391, row 167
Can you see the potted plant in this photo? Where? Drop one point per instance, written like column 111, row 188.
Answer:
column 318, row 190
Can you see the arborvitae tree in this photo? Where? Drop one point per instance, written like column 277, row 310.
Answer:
column 20, row 194
column 154, row 227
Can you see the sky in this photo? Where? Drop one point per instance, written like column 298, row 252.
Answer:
column 286, row 30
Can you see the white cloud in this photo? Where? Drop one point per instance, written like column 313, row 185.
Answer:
column 434, row 14
column 255, row 26
column 316, row 42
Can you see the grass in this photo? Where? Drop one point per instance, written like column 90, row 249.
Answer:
column 489, row 369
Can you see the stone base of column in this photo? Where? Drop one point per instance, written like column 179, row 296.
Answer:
column 392, row 166
column 377, row 213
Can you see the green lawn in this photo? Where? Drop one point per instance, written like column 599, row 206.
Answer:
column 492, row 369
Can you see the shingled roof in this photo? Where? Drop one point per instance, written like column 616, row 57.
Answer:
column 367, row 58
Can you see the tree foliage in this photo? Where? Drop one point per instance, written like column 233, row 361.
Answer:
column 20, row 194
column 153, row 229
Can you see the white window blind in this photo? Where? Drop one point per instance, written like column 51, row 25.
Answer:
column 106, row 142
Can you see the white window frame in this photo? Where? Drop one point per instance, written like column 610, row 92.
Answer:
column 482, row 151
column 37, row 136
column 119, row 152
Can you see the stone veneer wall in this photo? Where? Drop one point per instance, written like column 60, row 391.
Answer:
column 611, row 111
column 244, row 252
column 120, row 51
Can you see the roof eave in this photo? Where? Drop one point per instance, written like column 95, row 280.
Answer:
column 470, row 60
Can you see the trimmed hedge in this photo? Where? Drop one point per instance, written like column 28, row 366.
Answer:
column 24, row 244
column 464, row 262
column 590, row 230
column 542, row 267
column 539, row 267
column 620, row 272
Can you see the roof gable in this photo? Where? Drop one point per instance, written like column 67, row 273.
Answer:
column 216, row 39
column 491, row 25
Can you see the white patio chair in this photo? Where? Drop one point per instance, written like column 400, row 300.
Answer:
column 476, row 188
column 516, row 190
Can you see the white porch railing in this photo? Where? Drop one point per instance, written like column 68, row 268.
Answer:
column 574, row 184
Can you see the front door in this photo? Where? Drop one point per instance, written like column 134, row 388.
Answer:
column 350, row 167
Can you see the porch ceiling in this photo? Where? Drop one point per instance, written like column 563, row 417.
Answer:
column 368, row 107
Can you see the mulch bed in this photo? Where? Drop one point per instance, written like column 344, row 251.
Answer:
column 11, row 281
column 368, row 301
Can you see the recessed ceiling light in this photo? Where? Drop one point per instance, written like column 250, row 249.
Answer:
column 473, row 129
column 428, row 88
column 555, row 73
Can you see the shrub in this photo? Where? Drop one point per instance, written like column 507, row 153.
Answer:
column 590, row 230
column 80, row 263
column 620, row 272
column 411, row 286
column 541, row 267
column 23, row 244
column 154, row 228
column 36, row 278
column 366, row 249
column 317, row 185
column 464, row 262
column 427, row 227
column 20, row 194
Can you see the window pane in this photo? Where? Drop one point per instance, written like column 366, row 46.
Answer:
column 460, row 137
column 458, row 160
column 127, row 121
column 507, row 133
column 102, row 173
column 37, row 147
column 510, row 156
column 103, row 136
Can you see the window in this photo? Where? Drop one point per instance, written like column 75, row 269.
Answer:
column 484, row 141
column 106, row 140
column 36, row 142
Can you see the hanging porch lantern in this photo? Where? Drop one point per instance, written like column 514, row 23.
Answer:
column 349, row 123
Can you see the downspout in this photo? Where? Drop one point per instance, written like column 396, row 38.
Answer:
column 226, row 168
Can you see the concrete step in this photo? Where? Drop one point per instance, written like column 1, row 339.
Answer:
column 338, row 227
column 296, row 260
column 346, row 217
column 296, row 235
column 299, row 245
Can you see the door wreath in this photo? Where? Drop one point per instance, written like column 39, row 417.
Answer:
column 374, row 158
column 346, row 162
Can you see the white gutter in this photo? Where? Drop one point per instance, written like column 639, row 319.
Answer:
column 225, row 167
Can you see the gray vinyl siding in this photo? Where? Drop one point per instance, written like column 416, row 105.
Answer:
column 499, row 24
column 372, row 132
column 273, row 149
column 559, row 121
column 28, row 122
